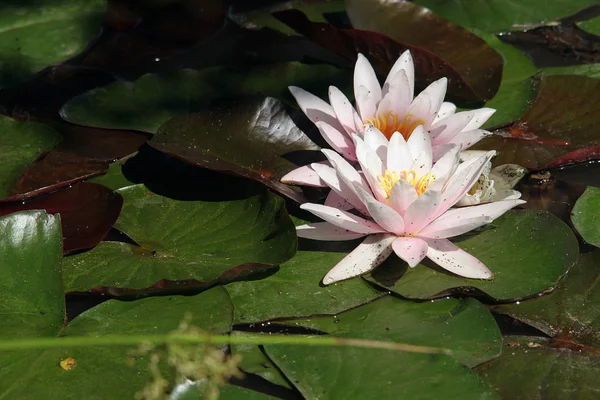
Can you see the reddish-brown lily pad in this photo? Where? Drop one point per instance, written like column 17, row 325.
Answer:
column 563, row 118
column 246, row 138
column 87, row 212
column 478, row 66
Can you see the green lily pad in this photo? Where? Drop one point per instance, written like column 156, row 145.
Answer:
column 153, row 99
column 185, row 239
column 498, row 16
column 478, row 65
column 36, row 35
column 296, row 290
column 530, row 368
column 464, row 326
column 20, row 144
column 589, row 70
column 31, row 294
column 360, row 373
column 255, row 361
column 114, row 178
column 518, row 87
column 41, row 373
column 591, row 26
column 571, row 312
column 227, row 392
column 585, row 216
column 528, row 252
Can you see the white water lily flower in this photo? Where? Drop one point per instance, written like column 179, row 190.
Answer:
column 388, row 109
column 493, row 184
column 403, row 205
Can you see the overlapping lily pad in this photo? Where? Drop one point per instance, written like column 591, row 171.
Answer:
column 585, row 216
column 563, row 118
column 185, row 240
column 591, row 26
column 36, row 35
column 345, row 372
column 247, row 138
column 152, row 100
column 528, row 252
column 20, row 144
column 498, row 16
column 479, row 66
column 464, row 326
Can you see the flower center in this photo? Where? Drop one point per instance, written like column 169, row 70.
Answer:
column 389, row 123
column 390, row 178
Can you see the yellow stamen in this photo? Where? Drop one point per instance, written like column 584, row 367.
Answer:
column 389, row 123
column 389, row 179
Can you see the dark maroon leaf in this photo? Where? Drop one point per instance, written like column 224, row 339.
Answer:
column 247, row 138
column 478, row 66
column 580, row 155
column 87, row 212
column 381, row 50
column 563, row 118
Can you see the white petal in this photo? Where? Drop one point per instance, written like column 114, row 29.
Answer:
column 397, row 96
column 334, row 200
column 304, row 175
column 384, row 215
column 343, row 109
column 506, row 176
column 343, row 219
column 365, row 103
column 337, row 139
column 445, row 130
column 411, row 249
column 419, row 146
column 405, row 64
column 434, row 96
column 374, row 250
column 364, row 76
column 371, row 166
column 399, row 157
column 346, row 173
column 446, row 110
column 315, row 108
column 326, row 231
column 468, row 138
column 456, row 260
column 480, row 117
column 402, row 196
column 377, row 142
column 462, row 220
column 331, row 178
column 422, row 211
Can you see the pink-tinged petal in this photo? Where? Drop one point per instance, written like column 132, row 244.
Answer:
column 471, row 155
column 398, row 96
column 331, row 178
column 454, row 259
column 480, row 117
column 371, row 166
column 446, row 164
column 343, row 109
column 326, row 231
column 457, row 221
column 419, row 146
column 365, row 76
column 434, row 94
column 404, row 64
column 446, row 129
column 339, row 141
column 384, row 215
column 334, row 200
column 374, row 250
column 377, row 142
column 346, row 173
column 315, row 108
column 421, row 211
column 304, row 175
column 469, row 138
column 411, row 249
column 461, row 181
column 365, row 103
column 403, row 194
column 343, row 219
column 398, row 157
column 446, row 110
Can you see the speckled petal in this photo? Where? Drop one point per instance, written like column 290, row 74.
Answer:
column 326, row 231
column 411, row 249
column 454, row 259
column 304, row 175
column 343, row 219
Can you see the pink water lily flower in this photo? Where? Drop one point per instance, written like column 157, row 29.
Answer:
column 402, row 202
column 388, row 109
